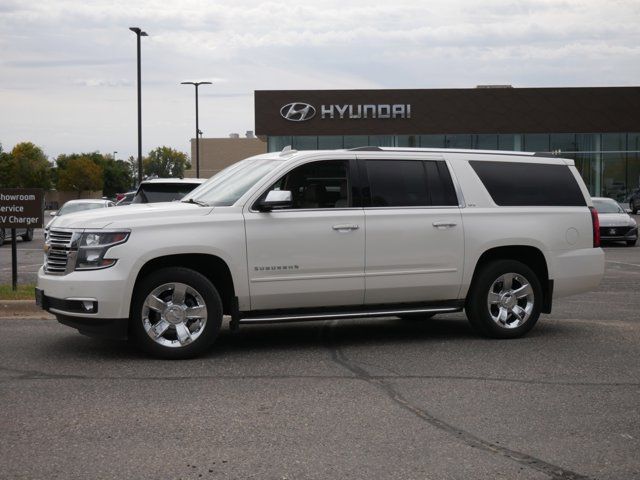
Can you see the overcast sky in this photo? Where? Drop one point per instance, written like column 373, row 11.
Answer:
column 68, row 71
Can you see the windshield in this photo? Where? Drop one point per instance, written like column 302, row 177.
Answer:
column 226, row 187
column 162, row 192
column 607, row 206
column 78, row 207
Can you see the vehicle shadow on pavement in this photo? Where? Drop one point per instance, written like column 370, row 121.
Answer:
column 297, row 336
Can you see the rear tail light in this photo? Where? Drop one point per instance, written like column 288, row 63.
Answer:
column 595, row 223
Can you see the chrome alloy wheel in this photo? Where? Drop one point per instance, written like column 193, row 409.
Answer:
column 510, row 300
column 174, row 314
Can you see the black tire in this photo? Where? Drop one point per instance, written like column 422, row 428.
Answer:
column 2, row 236
column 197, row 283
column 487, row 280
column 28, row 235
column 415, row 317
column 631, row 243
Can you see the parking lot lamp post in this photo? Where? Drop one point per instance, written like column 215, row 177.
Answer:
column 139, row 33
column 197, row 84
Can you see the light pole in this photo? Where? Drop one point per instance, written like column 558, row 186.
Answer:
column 197, row 84
column 139, row 33
column 114, row 155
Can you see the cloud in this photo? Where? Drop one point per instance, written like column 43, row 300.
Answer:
column 73, row 63
column 101, row 82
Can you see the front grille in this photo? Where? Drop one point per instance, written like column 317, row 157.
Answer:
column 614, row 231
column 59, row 251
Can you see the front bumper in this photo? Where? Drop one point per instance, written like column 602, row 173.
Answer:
column 80, row 314
column 107, row 288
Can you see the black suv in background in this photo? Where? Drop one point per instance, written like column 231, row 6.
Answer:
column 165, row 189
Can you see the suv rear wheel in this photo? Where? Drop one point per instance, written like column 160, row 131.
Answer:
column 176, row 313
column 504, row 300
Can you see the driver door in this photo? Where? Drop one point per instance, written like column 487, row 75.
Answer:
column 310, row 254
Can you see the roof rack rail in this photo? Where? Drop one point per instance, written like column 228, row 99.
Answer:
column 365, row 149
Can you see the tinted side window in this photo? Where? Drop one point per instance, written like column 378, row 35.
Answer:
column 529, row 184
column 410, row 183
column 397, row 183
column 440, row 184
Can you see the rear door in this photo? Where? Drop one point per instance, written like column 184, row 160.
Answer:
column 414, row 243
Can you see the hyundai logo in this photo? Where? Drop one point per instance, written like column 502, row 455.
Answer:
column 298, row 112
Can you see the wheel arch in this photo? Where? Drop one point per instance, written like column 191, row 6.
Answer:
column 214, row 268
column 530, row 256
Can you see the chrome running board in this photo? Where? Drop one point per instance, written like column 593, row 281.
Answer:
column 281, row 318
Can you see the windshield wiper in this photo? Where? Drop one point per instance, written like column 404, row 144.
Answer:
column 197, row 202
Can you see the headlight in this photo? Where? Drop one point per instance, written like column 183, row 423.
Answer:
column 93, row 246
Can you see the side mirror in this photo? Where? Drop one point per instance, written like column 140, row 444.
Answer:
column 276, row 199
column 54, row 213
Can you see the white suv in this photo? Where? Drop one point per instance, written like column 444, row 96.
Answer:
column 296, row 236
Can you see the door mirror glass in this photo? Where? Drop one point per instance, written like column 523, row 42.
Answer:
column 276, row 199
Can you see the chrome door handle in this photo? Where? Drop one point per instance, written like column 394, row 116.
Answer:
column 444, row 224
column 345, row 226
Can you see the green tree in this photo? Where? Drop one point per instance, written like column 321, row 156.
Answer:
column 116, row 173
column 26, row 167
column 117, row 177
column 79, row 174
column 165, row 162
column 5, row 168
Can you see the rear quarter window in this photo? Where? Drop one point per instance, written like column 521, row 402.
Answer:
column 529, row 184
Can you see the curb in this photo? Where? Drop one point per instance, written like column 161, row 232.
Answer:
column 21, row 308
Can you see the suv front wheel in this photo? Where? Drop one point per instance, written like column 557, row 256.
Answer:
column 176, row 313
column 504, row 300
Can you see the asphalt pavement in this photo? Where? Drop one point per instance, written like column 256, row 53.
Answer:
column 357, row 399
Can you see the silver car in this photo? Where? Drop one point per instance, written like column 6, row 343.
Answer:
column 73, row 206
column 615, row 224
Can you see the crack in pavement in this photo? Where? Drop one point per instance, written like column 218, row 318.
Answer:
column 553, row 471
column 38, row 375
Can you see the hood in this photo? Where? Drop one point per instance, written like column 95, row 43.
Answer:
column 614, row 219
column 131, row 215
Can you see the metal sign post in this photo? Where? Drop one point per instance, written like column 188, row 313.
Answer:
column 14, row 261
column 20, row 208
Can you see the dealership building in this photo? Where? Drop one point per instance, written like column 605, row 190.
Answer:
column 597, row 127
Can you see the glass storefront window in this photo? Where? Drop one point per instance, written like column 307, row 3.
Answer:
column 614, row 142
column 407, row 141
column 275, row 144
column 484, row 141
column 614, row 176
column 510, row 141
column 353, row 141
column 633, row 162
column 605, row 172
column 432, row 141
column 330, row 142
column 536, row 142
column 565, row 142
column 458, row 141
column 381, row 141
column 305, row 142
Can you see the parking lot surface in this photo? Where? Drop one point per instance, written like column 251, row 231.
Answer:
column 359, row 399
